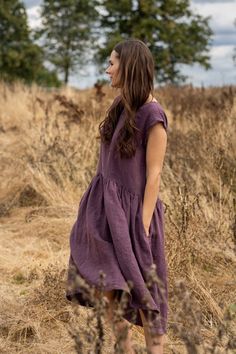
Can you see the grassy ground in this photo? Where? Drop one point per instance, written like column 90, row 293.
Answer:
column 48, row 156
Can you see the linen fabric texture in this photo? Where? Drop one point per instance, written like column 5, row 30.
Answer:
column 108, row 234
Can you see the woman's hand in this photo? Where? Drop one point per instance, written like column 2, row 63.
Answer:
column 146, row 228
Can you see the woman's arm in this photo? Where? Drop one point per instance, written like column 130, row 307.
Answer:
column 155, row 153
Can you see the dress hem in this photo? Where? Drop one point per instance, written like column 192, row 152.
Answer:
column 70, row 296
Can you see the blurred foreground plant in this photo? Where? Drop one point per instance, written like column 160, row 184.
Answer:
column 186, row 323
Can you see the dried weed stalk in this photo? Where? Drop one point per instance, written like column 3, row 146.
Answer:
column 187, row 322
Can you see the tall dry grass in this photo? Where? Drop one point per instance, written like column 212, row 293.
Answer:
column 49, row 154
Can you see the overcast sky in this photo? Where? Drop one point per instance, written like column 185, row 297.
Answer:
column 223, row 70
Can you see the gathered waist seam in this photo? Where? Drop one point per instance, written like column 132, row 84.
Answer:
column 118, row 185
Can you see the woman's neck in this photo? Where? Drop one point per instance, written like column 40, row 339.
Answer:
column 150, row 98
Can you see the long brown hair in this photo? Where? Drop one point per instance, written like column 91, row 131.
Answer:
column 135, row 77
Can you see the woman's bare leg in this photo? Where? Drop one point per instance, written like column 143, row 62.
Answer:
column 120, row 327
column 159, row 339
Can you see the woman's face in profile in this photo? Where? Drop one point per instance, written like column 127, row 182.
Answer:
column 113, row 68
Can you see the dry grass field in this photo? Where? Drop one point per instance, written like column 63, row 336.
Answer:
column 49, row 154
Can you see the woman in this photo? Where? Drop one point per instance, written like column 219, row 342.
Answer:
column 120, row 223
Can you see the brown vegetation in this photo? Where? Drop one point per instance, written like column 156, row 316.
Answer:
column 49, row 155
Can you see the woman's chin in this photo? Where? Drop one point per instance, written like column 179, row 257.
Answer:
column 114, row 85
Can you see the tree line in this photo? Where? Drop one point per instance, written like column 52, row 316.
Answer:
column 77, row 33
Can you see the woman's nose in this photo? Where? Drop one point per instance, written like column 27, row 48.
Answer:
column 107, row 71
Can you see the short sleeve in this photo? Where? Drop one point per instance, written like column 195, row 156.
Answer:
column 154, row 116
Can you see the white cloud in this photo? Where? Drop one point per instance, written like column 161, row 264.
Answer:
column 223, row 14
column 224, row 39
column 213, row 1
column 222, row 72
column 34, row 16
column 221, row 52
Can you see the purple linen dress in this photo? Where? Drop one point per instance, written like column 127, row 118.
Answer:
column 109, row 234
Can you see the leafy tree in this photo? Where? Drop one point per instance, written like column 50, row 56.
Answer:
column 66, row 33
column 174, row 34
column 20, row 58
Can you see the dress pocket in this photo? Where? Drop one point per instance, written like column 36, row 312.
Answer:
column 144, row 231
column 148, row 236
